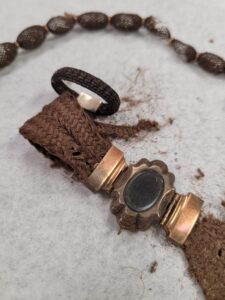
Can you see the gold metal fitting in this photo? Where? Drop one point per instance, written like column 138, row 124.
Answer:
column 88, row 102
column 181, row 217
column 106, row 172
column 144, row 194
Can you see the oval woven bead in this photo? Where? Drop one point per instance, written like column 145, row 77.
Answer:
column 154, row 26
column 60, row 24
column 93, row 20
column 211, row 62
column 185, row 51
column 8, row 52
column 32, row 37
column 126, row 22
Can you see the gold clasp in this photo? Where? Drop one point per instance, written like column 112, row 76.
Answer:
column 144, row 193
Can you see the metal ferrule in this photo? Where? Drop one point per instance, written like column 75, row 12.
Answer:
column 106, row 172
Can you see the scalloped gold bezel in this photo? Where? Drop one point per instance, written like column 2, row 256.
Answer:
column 130, row 219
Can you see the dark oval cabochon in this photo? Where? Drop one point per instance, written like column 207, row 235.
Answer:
column 143, row 190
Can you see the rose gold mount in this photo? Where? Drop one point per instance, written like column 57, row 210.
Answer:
column 106, row 172
column 176, row 213
column 132, row 220
column 181, row 217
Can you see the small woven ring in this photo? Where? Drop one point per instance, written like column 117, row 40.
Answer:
column 90, row 82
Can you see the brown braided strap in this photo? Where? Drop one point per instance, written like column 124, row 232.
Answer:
column 205, row 252
column 63, row 131
column 124, row 131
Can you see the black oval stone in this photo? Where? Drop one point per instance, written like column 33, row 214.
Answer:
column 143, row 190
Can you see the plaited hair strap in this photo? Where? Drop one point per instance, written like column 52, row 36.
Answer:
column 142, row 193
column 64, row 131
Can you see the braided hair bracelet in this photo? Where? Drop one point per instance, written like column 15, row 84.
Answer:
column 143, row 193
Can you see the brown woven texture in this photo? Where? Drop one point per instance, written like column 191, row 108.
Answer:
column 31, row 37
column 60, row 25
column 126, row 22
column 154, row 26
column 90, row 82
column 64, row 132
column 8, row 53
column 205, row 251
column 211, row 63
column 124, row 131
column 185, row 51
column 93, row 20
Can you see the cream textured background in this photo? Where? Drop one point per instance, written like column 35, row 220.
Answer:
column 57, row 239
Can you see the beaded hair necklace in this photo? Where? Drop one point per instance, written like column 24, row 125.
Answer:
column 32, row 37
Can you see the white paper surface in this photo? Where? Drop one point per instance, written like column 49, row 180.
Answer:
column 58, row 240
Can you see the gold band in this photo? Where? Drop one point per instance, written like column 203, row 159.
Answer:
column 107, row 170
column 181, row 218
